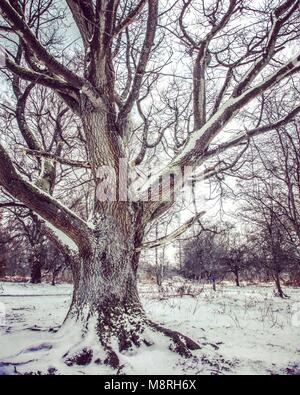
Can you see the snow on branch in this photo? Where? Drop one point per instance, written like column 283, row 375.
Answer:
column 42, row 203
column 172, row 236
column 33, row 76
column 198, row 143
column 21, row 28
column 55, row 158
column 251, row 133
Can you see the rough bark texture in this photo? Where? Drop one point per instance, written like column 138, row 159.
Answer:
column 36, row 272
column 105, row 298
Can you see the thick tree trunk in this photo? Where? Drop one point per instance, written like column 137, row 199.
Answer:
column 237, row 278
column 2, row 267
column 159, row 272
column 36, row 267
column 106, row 306
column 280, row 292
column 36, row 241
column 106, row 280
column 55, row 273
column 214, row 285
column 36, row 273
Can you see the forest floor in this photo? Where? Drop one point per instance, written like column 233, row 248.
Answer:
column 241, row 330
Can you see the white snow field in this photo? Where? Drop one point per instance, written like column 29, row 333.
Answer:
column 244, row 330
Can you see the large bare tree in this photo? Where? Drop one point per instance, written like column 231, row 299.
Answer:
column 132, row 104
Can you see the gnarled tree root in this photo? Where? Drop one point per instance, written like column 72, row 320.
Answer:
column 130, row 339
column 126, row 338
column 181, row 344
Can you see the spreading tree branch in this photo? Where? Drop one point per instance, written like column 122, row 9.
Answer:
column 42, row 203
column 172, row 236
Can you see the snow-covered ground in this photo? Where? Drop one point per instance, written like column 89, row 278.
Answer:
column 242, row 330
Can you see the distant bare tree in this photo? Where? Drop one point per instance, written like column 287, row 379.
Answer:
column 204, row 258
column 234, row 260
column 271, row 249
